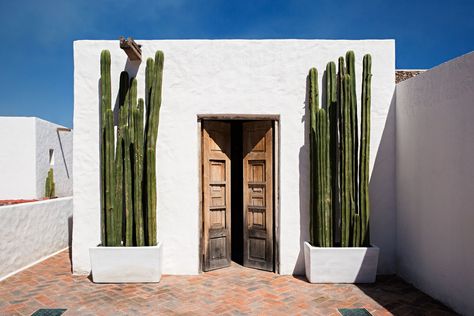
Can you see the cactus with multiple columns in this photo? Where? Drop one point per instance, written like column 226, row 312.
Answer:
column 128, row 172
column 340, row 205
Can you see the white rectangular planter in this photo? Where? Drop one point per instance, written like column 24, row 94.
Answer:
column 126, row 264
column 340, row 265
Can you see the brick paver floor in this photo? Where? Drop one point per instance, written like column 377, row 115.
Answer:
column 232, row 291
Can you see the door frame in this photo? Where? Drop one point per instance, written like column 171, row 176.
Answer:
column 276, row 176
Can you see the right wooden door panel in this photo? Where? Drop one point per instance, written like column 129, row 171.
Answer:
column 258, row 194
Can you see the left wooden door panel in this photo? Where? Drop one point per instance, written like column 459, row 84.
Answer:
column 216, row 194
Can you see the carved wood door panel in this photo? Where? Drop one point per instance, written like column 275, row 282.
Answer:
column 258, row 194
column 216, row 195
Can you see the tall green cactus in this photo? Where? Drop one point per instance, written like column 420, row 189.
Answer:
column 128, row 178
column 346, row 163
column 119, row 170
column 151, row 137
column 332, row 110
column 355, row 214
column 325, row 171
column 49, row 187
column 149, row 77
column 128, row 188
column 320, row 171
column 105, row 103
column 109, row 177
column 315, row 226
column 138, row 112
column 364, row 201
column 339, row 170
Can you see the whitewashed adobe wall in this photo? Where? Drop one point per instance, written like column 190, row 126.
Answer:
column 24, row 157
column 60, row 141
column 435, row 182
column 224, row 77
column 17, row 158
column 31, row 232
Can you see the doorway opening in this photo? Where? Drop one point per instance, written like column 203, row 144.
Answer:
column 238, row 198
column 237, row 194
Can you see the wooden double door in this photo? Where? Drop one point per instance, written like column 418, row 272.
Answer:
column 254, row 143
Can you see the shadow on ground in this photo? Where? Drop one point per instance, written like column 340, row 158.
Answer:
column 401, row 298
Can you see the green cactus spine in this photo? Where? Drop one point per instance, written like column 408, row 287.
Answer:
column 49, row 187
column 346, row 164
column 332, row 110
column 325, row 177
column 149, row 77
column 119, row 170
column 128, row 188
column 109, row 177
column 313, row 107
column 105, row 103
column 340, row 109
column 321, row 216
column 132, row 106
column 138, row 173
column 151, row 137
column 364, row 201
column 355, row 217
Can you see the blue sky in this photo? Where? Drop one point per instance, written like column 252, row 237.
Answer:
column 37, row 59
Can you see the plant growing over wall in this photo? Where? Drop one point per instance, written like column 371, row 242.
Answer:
column 49, row 185
column 340, row 205
column 128, row 172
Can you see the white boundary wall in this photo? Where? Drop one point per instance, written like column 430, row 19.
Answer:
column 228, row 77
column 17, row 158
column 24, row 157
column 31, row 232
column 435, row 182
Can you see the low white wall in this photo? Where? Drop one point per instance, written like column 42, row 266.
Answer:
column 30, row 232
column 17, row 158
column 49, row 137
column 435, row 182
column 226, row 77
column 24, row 158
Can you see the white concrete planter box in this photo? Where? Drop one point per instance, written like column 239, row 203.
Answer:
column 341, row 265
column 126, row 264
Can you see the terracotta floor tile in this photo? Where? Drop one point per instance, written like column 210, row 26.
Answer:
column 232, row 291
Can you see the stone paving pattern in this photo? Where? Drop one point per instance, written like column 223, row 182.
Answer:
column 231, row 291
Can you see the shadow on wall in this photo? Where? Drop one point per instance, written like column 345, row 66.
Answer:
column 304, row 169
column 69, row 239
column 131, row 67
column 62, row 153
column 382, row 195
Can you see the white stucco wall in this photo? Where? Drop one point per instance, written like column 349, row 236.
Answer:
column 17, row 158
column 24, row 157
column 30, row 232
column 48, row 137
column 435, row 182
column 223, row 77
